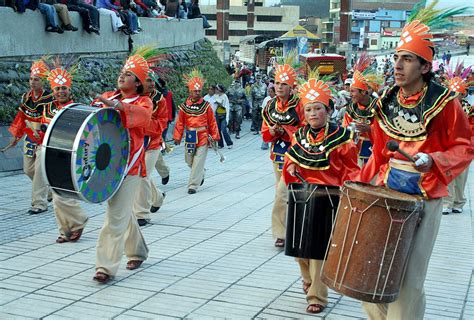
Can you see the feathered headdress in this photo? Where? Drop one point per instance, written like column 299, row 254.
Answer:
column 416, row 37
column 38, row 69
column 315, row 89
column 285, row 69
column 364, row 75
column 142, row 59
column 456, row 80
column 61, row 73
column 194, row 80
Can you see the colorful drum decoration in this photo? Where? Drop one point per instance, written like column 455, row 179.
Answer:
column 85, row 153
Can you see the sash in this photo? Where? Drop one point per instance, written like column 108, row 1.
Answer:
column 191, row 141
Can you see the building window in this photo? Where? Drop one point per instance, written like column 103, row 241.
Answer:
column 373, row 42
column 212, row 17
column 210, row 32
column 385, row 24
column 269, row 18
column 238, row 17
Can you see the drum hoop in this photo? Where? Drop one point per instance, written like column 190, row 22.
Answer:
column 417, row 205
column 47, row 135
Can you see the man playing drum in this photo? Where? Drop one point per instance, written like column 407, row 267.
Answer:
column 282, row 116
column 323, row 154
column 428, row 123
column 120, row 231
column 196, row 120
column 70, row 217
column 28, row 121
column 150, row 198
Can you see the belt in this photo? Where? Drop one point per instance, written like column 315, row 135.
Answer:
column 196, row 129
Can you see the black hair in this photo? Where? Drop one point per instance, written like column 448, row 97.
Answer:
column 331, row 104
column 220, row 87
column 140, row 89
column 162, row 82
column 427, row 77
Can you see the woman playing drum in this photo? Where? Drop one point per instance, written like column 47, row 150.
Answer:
column 323, row 154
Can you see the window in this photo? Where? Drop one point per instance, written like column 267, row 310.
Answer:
column 269, row 18
column 373, row 42
column 238, row 17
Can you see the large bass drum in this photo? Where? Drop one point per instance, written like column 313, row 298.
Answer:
column 370, row 242
column 85, row 152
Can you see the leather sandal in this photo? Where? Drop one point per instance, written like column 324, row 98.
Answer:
column 75, row 235
column 134, row 264
column 61, row 239
column 101, row 277
column 280, row 243
column 314, row 308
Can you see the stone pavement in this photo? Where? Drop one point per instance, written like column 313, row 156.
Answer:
column 211, row 255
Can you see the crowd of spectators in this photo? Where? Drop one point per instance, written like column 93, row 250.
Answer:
column 125, row 14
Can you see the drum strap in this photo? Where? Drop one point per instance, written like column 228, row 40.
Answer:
column 134, row 160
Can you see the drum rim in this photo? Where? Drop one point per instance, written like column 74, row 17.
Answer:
column 44, row 146
column 399, row 196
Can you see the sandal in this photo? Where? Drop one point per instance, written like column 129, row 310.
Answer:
column 75, row 235
column 61, row 239
column 101, row 277
column 134, row 264
column 279, row 243
column 306, row 286
column 314, row 308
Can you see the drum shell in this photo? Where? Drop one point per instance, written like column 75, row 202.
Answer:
column 370, row 242
column 307, row 235
column 58, row 155
column 85, row 153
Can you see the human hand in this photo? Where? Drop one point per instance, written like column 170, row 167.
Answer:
column 423, row 162
column 177, row 142
column 291, row 169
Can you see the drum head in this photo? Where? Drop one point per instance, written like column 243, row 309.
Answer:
column 101, row 157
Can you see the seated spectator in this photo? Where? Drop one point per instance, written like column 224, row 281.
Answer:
column 108, row 8
column 47, row 10
column 153, row 6
column 63, row 14
column 89, row 14
column 128, row 17
column 194, row 12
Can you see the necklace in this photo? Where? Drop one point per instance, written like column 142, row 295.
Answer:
column 419, row 96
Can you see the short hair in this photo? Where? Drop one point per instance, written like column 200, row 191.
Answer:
column 427, row 77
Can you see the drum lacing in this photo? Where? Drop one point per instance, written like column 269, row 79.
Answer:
column 402, row 223
column 352, row 209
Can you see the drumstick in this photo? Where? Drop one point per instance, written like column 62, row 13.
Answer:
column 298, row 175
column 394, row 147
column 29, row 125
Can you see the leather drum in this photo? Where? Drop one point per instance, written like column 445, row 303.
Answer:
column 311, row 211
column 85, row 152
column 370, row 242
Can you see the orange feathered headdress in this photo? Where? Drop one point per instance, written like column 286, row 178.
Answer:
column 137, row 65
column 142, row 59
column 415, row 38
column 457, row 84
column 285, row 74
column 194, row 80
column 38, row 69
column 59, row 77
column 314, row 91
column 359, row 81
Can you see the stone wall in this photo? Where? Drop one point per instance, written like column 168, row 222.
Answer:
column 23, row 35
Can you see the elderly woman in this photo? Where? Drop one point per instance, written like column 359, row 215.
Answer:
column 323, row 154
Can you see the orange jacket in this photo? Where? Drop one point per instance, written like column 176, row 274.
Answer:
column 202, row 118
column 136, row 118
column 448, row 142
column 158, row 122
column 342, row 164
column 30, row 110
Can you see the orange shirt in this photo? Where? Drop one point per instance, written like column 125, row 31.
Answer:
column 158, row 122
column 336, row 165
column 203, row 120
column 448, row 142
column 136, row 118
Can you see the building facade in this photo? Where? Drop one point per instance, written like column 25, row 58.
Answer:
column 268, row 21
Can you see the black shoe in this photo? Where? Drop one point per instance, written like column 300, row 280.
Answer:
column 36, row 210
column 202, row 182
column 94, row 29
column 125, row 30
column 165, row 180
column 142, row 222
column 70, row 27
column 256, row 133
column 58, row 30
column 237, row 136
column 191, row 191
column 50, row 198
column 153, row 209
